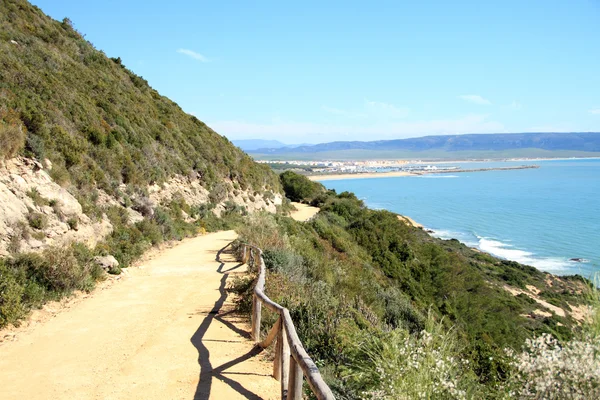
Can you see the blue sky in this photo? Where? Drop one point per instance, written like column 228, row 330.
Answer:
column 323, row 71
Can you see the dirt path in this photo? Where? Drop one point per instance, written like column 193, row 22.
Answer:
column 166, row 331
column 303, row 212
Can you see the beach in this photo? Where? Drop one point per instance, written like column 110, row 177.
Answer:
column 359, row 175
column 394, row 174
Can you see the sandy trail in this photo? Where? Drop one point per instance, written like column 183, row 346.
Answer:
column 165, row 331
column 303, row 212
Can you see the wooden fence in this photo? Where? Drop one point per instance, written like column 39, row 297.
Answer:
column 292, row 364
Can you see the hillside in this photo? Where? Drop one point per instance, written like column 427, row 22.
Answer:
column 96, row 166
column 451, row 146
column 97, row 122
column 392, row 312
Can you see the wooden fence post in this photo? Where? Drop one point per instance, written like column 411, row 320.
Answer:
column 256, row 315
column 278, row 354
column 285, row 362
column 295, row 384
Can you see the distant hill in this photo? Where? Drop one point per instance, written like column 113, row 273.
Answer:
column 254, row 144
column 585, row 142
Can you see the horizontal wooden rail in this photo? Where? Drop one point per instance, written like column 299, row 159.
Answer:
column 292, row 363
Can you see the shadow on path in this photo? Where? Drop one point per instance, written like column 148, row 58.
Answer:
column 207, row 373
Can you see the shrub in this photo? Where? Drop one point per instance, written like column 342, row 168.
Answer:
column 299, row 188
column 549, row 370
column 286, row 262
column 12, row 140
column 37, row 198
column 262, row 231
column 57, row 269
column 73, row 223
column 37, row 220
column 397, row 365
column 11, row 308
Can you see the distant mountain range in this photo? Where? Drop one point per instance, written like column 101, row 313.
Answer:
column 550, row 141
column 255, row 144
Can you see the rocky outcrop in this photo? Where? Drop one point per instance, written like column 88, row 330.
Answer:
column 107, row 263
column 194, row 194
column 37, row 212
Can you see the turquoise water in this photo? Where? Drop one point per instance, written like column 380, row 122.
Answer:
column 540, row 217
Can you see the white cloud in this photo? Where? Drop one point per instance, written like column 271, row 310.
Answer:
column 306, row 132
column 595, row 111
column 193, row 54
column 476, row 99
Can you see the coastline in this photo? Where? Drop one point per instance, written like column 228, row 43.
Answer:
column 394, row 174
column 360, row 175
column 492, row 233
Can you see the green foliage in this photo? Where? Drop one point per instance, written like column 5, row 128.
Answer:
column 299, row 188
column 73, row 223
column 11, row 293
column 352, row 273
column 12, row 139
column 98, row 122
column 37, row 220
column 37, row 198
column 30, row 279
column 397, row 365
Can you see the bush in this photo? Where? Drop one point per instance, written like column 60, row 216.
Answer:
column 549, row 370
column 262, row 230
column 12, row 140
column 397, row 365
column 299, row 188
column 56, row 269
column 37, row 220
column 37, row 198
column 73, row 223
column 11, row 292
column 286, row 262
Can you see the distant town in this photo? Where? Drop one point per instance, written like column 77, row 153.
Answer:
column 358, row 167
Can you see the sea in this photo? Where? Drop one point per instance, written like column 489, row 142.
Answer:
column 547, row 217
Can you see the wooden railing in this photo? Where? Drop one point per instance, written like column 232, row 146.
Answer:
column 291, row 363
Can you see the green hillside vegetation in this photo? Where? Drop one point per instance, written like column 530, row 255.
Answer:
column 386, row 310
column 102, row 127
column 99, row 123
column 358, row 276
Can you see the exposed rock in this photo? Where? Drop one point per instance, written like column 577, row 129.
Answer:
column 35, row 244
column 193, row 193
column 18, row 178
column 191, row 190
column 105, row 200
column 13, row 209
column 134, row 216
column 144, row 206
column 107, row 262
